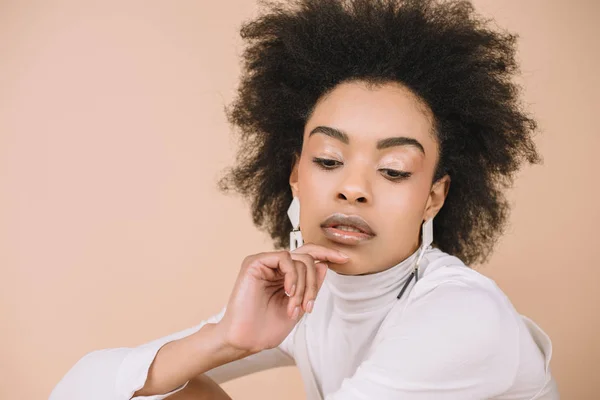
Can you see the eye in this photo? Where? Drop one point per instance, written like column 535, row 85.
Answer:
column 326, row 163
column 395, row 175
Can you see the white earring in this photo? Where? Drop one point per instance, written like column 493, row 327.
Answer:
column 294, row 215
column 427, row 233
column 426, row 240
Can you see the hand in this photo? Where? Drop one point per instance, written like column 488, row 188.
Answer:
column 272, row 292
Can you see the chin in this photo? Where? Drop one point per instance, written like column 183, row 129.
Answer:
column 342, row 269
column 349, row 268
column 353, row 251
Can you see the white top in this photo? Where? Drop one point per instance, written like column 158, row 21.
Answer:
column 452, row 335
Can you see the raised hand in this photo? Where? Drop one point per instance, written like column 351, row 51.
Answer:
column 272, row 292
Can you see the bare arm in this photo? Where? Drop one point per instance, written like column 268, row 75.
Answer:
column 187, row 358
column 242, row 339
column 271, row 294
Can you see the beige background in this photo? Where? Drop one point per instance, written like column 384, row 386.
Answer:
column 112, row 135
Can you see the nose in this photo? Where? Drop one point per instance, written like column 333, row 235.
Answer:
column 355, row 188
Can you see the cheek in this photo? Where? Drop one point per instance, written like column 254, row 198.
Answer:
column 408, row 195
column 309, row 194
column 402, row 209
column 305, row 176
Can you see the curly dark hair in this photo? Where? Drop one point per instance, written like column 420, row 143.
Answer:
column 443, row 51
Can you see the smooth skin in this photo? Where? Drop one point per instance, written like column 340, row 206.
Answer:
column 390, row 186
column 364, row 171
column 201, row 388
column 259, row 316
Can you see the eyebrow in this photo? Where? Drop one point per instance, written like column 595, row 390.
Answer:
column 381, row 144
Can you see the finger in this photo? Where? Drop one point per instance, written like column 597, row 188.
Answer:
column 322, row 253
column 296, row 299
column 321, row 268
column 281, row 260
column 290, row 279
column 311, row 284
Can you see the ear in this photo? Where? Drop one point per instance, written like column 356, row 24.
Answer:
column 437, row 196
column 294, row 176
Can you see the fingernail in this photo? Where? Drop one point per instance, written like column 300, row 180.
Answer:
column 309, row 306
column 342, row 254
column 296, row 313
column 291, row 292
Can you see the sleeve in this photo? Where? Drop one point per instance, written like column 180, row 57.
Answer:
column 454, row 342
column 116, row 374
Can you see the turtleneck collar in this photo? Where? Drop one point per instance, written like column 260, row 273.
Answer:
column 357, row 295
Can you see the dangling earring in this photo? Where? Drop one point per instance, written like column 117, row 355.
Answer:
column 294, row 215
column 426, row 240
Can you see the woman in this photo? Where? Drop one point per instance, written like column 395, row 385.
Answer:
column 385, row 131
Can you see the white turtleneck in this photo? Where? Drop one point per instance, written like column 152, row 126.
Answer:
column 452, row 335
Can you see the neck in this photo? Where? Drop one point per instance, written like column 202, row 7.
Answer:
column 356, row 296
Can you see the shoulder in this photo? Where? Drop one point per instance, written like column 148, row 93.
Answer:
column 454, row 321
column 463, row 311
column 455, row 294
column 445, row 278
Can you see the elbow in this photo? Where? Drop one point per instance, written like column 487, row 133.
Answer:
column 92, row 377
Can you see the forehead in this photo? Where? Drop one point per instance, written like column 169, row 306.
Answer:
column 368, row 114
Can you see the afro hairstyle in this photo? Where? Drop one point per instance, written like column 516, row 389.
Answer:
column 450, row 57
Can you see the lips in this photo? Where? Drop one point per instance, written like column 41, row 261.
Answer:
column 347, row 229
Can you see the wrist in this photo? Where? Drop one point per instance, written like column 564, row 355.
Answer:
column 212, row 339
column 183, row 359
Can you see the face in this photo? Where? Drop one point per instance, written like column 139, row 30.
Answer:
column 367, row 163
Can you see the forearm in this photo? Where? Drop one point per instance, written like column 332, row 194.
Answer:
column 181, row 360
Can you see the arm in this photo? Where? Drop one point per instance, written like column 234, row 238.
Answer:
column 116, row 374
column 244, row 338
column 179, row 361
column 455, row 342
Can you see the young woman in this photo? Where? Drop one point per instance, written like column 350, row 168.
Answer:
column 378, row 138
